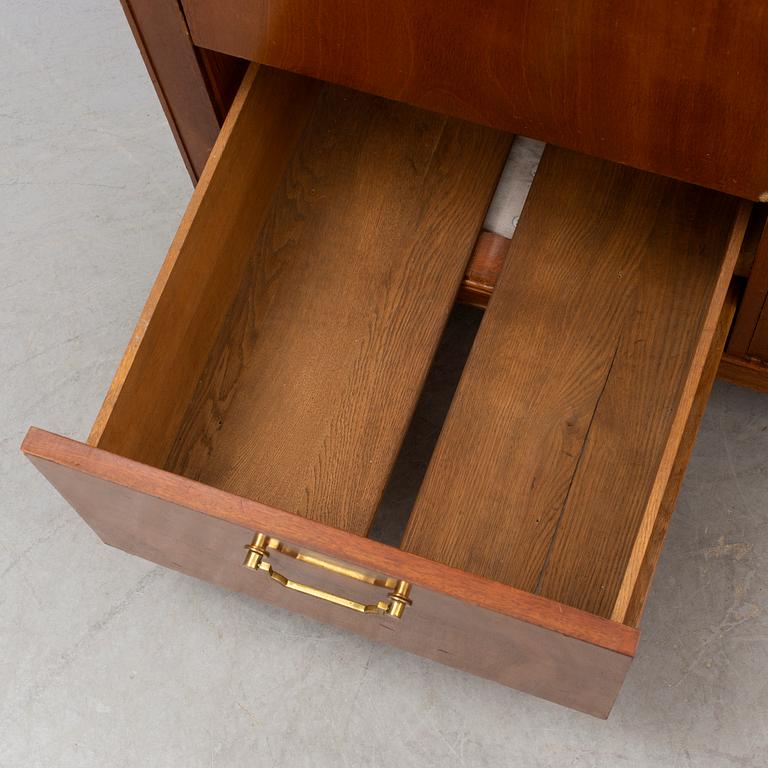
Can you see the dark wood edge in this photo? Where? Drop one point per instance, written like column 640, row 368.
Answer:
column 195, row 87
column 342, row 545
column 752, row 237
column 194, row 165
column 483, row 269
column 745, row 373
column 473, row 295
column 223, row 75
column 752, row 302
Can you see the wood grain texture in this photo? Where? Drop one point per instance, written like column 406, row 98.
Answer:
column 752, row 302
column 205, row 265
column 655, row 544
column 680, row 89
column 745, row 373
column 561, row 436
column 461, row 620
column 758, row 346
column 182, row 84
column 488, row 255
column 483, row 269
column 316, row 372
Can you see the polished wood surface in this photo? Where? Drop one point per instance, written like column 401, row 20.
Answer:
column 758, row 346
column 287, row 337
column 680, row 89
column 745, row 373
column 196, row 87
column 483, row 269
column 655, row 544
column 752, row 303
column 565, row 424
column 459, row 619
column 312, row 383
column 205, row 265
column 183, row 82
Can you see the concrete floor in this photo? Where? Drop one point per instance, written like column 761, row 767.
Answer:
column 106, row 660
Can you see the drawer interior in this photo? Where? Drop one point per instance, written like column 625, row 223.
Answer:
column 311, row 384
column 341, row 268
column 286, row 342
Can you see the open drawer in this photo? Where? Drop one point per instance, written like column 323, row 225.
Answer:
column 262, row 401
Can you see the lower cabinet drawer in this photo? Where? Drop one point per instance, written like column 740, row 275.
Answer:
column 253, row 424
column 456, row 618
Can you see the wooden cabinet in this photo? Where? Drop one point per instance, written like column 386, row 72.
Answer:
column 680, row 88
column 196, row 85
column 260, row 405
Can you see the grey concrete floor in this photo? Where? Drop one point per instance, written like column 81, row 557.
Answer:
column 106, row 660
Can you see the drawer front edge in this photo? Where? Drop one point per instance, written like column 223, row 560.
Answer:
column 486, row 628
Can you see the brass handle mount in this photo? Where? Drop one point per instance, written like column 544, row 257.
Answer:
column 257, row 559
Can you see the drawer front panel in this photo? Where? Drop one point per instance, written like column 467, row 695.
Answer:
column 679, row 89
column 467, row 622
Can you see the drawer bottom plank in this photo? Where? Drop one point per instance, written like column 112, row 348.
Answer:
column 555, row 455
column 312, row 382
column 290, row 331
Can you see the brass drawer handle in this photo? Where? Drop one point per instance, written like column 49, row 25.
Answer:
column 257, row 559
